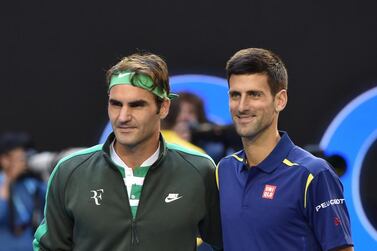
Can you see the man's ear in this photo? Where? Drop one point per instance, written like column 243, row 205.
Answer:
column 281, row 99
column 164, row 110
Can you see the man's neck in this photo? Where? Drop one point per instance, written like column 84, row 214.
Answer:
column 135, row 156
column 259, row 147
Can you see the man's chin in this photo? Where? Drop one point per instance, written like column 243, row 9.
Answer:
column 245, row 133
column 123, row 139
column 126, row 143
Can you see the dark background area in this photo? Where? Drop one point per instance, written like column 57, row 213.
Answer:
column 54, row 55
column 368, row 185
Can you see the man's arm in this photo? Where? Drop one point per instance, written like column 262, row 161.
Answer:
column 327, row 212
column 210, row 227
column 55, row 231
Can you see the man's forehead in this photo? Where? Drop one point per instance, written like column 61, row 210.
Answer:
column 19, row 151
column 248, row 82
column 246, row 88
column 130, row 93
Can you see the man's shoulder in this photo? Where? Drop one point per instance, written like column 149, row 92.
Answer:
column 75, row 159
column 308, row 161
column 192, row 157
column 234, row 158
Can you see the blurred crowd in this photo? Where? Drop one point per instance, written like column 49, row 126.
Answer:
column 23, row 181
column 22, row 193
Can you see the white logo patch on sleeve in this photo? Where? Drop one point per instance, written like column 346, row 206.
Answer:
column 329, row 203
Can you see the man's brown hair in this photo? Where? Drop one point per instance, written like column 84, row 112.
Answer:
column 255, row 60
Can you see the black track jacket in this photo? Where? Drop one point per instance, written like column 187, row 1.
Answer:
column 87, row 207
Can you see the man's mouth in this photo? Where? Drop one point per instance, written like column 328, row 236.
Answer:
column 126, row 128
column 245, row 118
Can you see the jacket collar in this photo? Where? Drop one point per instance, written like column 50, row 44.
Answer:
column 161, row 156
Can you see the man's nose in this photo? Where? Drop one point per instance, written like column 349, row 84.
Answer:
column 243, row 104
column 124, row 114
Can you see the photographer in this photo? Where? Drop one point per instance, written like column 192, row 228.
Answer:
column 21, row 194
column 192, row 124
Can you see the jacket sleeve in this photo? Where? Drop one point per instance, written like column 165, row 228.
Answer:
column 55, row 231
column 210, row 226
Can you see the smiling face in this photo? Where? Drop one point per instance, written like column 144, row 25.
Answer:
column 134, row 116
column 253, row 108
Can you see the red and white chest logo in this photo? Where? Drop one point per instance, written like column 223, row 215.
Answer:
column 269, row 192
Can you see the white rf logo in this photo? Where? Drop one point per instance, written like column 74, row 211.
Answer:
column 97, row 195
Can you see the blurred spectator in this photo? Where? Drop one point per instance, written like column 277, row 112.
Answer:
column 41, row 163
column 192, row 124
column 191, row 114
column 169, row 123
column 21, row 194
column 44, row 163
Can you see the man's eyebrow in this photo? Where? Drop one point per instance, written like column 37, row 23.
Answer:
column 139, row 102
column 114, row 101
column 254, row 91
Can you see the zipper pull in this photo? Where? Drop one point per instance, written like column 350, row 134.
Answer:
column 134, row 237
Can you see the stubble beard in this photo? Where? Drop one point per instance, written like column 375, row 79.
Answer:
column 253, row 130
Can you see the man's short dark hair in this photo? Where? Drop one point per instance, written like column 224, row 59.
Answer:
column 12, row 140
column 256, row 60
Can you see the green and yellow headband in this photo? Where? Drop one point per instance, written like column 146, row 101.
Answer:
column 139, row 80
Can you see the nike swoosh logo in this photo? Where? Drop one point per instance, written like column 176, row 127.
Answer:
column 168, row 200
column 121, row 75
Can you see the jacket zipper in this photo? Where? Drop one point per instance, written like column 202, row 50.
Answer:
column 134, row 237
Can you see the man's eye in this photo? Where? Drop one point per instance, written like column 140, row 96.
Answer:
column 135, row 105
column 138, row 104
column 234, row 95
column 115, row 103
column 255, row 94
